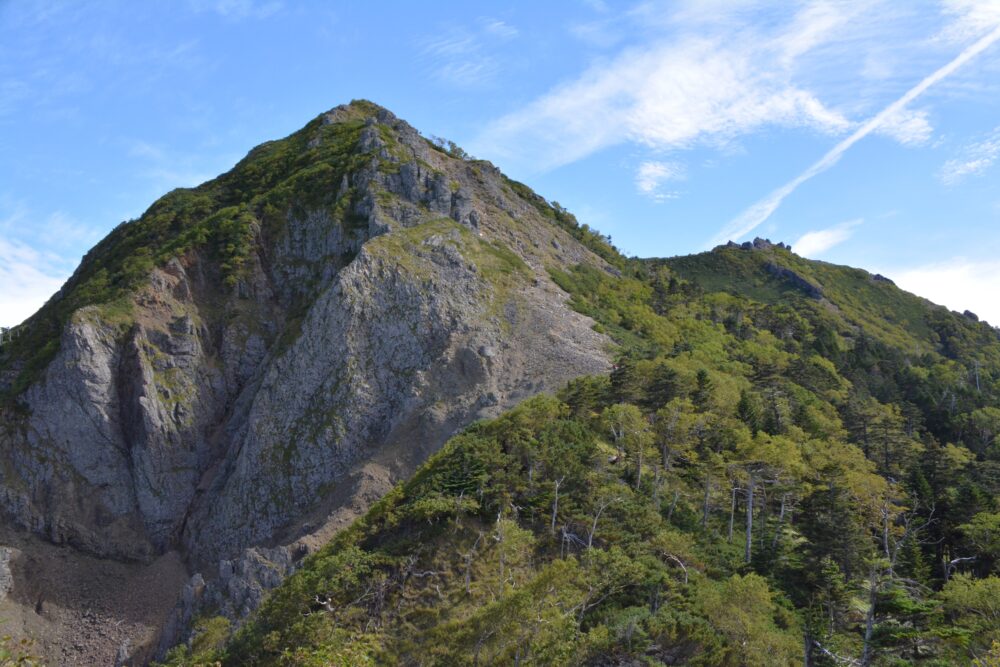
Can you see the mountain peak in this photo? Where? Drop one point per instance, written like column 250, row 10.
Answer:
column 255, row 354
column 234, row 377
column 757, row 244
column 358, row 165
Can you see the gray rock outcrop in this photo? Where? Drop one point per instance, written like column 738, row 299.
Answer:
column 228, row 419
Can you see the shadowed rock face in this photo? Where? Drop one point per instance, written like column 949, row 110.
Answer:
column 374, row 315
column 794, row 279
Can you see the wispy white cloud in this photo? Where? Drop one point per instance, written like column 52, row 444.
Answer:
column 602, row 28
column 909, row 127
column 12, row 92
column 144, row 149
column 29, row 278
column 37, row 254
column 55, row 232
column 239, row 9
column 706, row 73
column 467, row 74
column 464, row 56
column 92, row 54
column 969, row 18
column 811, row 27
column 165, row 179
column 596, row 5
column 756, row 214
column 815, row 243
column 601, row 33
column 958, row 284
column 501, row 29
column 61, row 232
column 878, row 67
column 456, row 43
column 669, row 98
column 652, row 174
column 166, row 169
column 974, row 160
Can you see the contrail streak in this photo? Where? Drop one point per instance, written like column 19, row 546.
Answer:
column 756, row 214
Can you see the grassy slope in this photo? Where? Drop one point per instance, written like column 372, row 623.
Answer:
column 885, row 312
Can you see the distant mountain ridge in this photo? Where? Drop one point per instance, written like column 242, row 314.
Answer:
column 765, row 270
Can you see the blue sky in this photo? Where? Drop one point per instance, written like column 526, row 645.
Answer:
column 863, row 133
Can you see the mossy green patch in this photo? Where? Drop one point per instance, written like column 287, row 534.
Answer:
column 410, row 246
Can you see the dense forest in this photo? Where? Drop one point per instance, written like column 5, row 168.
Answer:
column 791, row 463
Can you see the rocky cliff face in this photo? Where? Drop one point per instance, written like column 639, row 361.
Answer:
column 253, row 392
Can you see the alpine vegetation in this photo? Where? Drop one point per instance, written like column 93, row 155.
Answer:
column 365, row 400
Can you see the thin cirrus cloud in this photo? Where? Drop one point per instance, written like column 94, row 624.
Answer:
column 652, row 174
column 165, row 169
column 238, row 9
column 709, row 76
column 671, row 96
column 464, row 56
column 30, row 273
column 29, row 277
column 971, row 18
column 760, row 211
column 910, row 127
column 499, row 28
column 974, row 160
column 55, row 232
column 813, row 244
column 703, row 74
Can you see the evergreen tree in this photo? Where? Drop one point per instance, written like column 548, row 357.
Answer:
column 702, row 395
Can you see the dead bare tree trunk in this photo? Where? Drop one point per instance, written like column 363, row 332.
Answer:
column 467, row 557
column 781, row 522
column 749, row 545
column 708, row 491
column 866, row 654
column 555, row 504
column 732, row 514
column 638, row 467
column 682, row 565
column 673, row 504
column 593, row 526
column 762, row 515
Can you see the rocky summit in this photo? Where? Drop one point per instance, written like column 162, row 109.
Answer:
column 228, row 380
